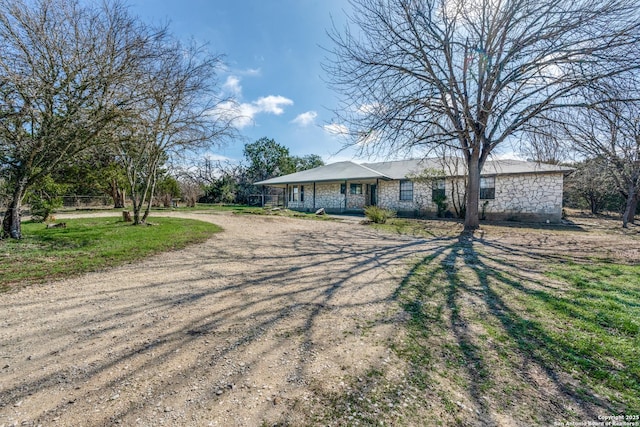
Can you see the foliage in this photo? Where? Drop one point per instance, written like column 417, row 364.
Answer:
column 222, row 190
column 63, row 68
column 378, row 215
column 44, row 198
column 89, row 244
column 167, row 189
column 267, row 159
column 441, row 205
column 309, row 161
column 94, row 172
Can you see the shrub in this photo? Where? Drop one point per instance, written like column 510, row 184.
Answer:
column 43, row 206
column 378, row 215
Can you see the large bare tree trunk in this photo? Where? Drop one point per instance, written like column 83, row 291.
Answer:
column 11, row 224
column 630, row 207
column 117, row 194
column 472, row 218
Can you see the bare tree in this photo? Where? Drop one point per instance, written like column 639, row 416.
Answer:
column 470, row 74
column 544, row 143
column 610, row 131
column 62, row 66
column 592, row 185
column 175, row 112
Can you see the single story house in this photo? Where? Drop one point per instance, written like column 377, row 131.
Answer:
column 510, row 189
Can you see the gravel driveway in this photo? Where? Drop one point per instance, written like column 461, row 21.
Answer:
column 256, row 326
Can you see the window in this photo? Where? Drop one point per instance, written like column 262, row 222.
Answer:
column 438, row 190
column 343, row 188
column 406, row 190
column 355, row 189
column 488, row 187
column 296, row 193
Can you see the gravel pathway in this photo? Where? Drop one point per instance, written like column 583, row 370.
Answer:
column 254, row 327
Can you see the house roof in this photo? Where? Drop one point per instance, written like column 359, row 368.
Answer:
column 401, row 169
column 339, row 171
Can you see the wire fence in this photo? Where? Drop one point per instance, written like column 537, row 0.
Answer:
column 266, row 200
column 76, row 201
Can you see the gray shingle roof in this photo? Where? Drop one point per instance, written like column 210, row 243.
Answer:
column 402, row 169
column 340, row 171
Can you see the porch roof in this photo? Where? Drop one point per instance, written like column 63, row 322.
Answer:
column 340, row 171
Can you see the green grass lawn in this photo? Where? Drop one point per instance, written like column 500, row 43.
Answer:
column 89, row 244
column 502, row 330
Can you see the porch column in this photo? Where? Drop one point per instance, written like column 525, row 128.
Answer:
column 346, row 191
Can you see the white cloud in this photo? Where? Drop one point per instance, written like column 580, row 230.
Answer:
column 252, row 72
column 232, row 85
column 336, row 129
column 369, row 108
column 305, row 119
column 243, row 114
column 271, row 104
column 367, row 138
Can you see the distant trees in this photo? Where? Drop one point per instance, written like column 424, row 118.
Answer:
column 610, row 132
column 267, row 159
column 471, row 75
column 63, row 70
column 78, row 76
column 592, row 186
column 225, row 182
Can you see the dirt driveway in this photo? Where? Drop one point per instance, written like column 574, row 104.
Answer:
column 254, row 327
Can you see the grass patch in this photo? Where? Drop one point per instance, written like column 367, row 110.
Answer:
column 89, row 244
column 484, row 335
column 420, row 228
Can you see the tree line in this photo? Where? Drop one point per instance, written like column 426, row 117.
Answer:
column 89, row 81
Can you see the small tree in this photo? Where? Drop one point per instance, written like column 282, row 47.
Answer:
column 167, row 189
column 591, row 185
column 175, row 100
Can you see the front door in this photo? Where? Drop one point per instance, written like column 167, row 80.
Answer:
column 374, row 194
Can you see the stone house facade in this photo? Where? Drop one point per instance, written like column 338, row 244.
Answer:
column 510, row 189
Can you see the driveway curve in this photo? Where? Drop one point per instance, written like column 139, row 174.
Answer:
column 255, row 326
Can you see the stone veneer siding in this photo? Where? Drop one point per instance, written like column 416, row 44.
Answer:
column 523, row 197
column 534, row 197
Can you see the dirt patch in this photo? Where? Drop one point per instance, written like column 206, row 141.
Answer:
column 274, row 321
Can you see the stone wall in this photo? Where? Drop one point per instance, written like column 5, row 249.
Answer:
column 536, row 197
column 526, row 197
column 328, row 197
column 389, row 198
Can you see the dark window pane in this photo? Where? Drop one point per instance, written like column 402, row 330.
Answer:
column 406, row 190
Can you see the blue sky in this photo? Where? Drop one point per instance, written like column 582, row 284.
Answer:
column 273, row 54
